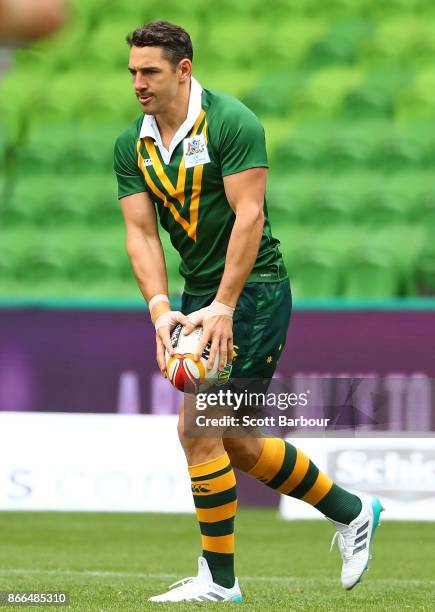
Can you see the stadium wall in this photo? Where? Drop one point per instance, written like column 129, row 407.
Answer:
column 90, row 359
column 101, row 462
column 60, row 360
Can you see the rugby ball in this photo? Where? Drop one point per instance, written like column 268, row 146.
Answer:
column 182, row 370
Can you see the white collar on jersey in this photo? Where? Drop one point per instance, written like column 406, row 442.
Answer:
column 150, row 127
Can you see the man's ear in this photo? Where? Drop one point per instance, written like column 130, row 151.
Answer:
column 185, row 69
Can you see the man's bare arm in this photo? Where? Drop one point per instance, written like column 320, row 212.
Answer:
column 145, row 251
column 245, row 194
column 144, row 248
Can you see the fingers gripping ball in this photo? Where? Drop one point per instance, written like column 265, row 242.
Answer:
column 182, row 370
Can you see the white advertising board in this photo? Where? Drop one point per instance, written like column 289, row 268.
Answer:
column 99, row 462
column 400, row 471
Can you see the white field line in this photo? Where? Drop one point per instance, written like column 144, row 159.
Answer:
column 147, row 576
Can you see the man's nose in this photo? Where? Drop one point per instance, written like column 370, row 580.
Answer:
column 140, row 82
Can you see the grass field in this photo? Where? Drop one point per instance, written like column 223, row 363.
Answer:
column 114, row 562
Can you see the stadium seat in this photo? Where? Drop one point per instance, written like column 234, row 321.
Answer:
column 418, row 100
column 7, row 272
column 91, row 265
column 14, row 102
column 297, row 153
column 59, row 53
column 253, row 52
column 39, row 263
column 425, row 272
column 323, row 93
column 69, row 150
column 315, row 273
column 273, row 94
column 237, row 81
column 402, row 38
column 382, row 264
column 291, row 39
column 43, row 152
column 307, row 198
column 94, row 12
column 396, row 152
column 98, row 199
column 107, row 47
column 48, row 202
column 341, row 43
column 371, row 275
column 377, row 96
column 286, row 200
column 43, row 201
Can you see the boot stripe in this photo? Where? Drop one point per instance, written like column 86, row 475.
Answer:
column 362, row 527
column 360, row 548
column 360, row 539
column 215, row 596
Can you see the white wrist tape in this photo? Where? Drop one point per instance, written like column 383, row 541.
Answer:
column 217, row 309
column 160, row 297
column 169, row 318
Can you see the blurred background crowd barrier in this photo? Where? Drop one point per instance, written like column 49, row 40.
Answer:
column 345, row 90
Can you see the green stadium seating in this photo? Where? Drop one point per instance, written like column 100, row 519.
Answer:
column 371, row 274
column 341, row 43
column 59, row 53
column 405, row 39
column 315, row 274
column 107, row 46
column 418, row 100
column 307, row 198
column 382, row 265
column 41, row 203
column 39, row 262
column 239, row 82
column 378, row 95
column 292, row 39
column 253, row 52
column 272, row 95
column 324, row 92
column 425, row 269
column 345, row 90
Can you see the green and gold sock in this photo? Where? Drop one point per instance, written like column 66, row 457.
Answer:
column 288, row 470
column 215, row 497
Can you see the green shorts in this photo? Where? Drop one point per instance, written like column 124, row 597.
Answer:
column 261, row 320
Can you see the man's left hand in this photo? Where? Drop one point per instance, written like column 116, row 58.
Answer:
column 217, row 324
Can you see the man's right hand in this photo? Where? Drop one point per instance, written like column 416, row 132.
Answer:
column 164, row 325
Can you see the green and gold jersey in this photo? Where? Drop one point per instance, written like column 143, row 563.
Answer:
column 220, row 137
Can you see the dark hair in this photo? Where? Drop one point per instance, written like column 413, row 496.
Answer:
column 173, row 39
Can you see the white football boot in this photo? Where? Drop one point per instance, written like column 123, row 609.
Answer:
column 200, row 588
column 354, row 541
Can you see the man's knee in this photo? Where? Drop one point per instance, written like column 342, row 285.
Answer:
column 244, row 452
column 196, row 448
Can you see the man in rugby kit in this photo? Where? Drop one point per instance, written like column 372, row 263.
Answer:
column 196, row 160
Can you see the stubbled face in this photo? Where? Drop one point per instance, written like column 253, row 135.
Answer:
column 155, row 79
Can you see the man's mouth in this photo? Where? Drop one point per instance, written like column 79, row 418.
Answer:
column 144, row 99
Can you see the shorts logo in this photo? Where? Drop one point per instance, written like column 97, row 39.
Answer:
column 224, row 375
column 195, row 151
